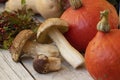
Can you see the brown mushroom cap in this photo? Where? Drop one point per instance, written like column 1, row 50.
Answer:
column 19, row 42
column 48, row 25
column 41, row 64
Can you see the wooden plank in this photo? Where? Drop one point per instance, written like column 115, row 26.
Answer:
column 66, row 73
column 6, row 73
column 9, row 70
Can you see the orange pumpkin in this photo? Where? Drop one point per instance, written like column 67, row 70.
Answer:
column 102, row 56
column 83, row 20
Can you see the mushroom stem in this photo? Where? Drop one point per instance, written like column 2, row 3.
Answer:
column 70, row 54
column 54, row 63
column 33, row 48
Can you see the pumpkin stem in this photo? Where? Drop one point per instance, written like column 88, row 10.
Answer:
column 103, row 24
column 75, row 4
column 23, row 2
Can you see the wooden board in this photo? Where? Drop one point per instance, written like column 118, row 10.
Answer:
column 9, row 70
column 66, row 73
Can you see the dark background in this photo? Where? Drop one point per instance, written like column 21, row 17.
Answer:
column 115, row 3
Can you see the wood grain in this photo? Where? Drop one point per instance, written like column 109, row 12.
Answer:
column 9, row 70
column 66, row 73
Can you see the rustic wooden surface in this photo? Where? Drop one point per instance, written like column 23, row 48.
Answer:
column 9, row 70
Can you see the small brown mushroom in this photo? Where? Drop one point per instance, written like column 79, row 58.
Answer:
column 43, row 64
column 52, row 29
column 24, row 44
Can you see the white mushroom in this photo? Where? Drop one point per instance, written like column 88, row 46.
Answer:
column 23, row 44
column 52, row 29
column 14, row 5
column 47, row 8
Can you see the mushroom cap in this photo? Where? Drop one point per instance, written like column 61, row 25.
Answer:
column 48, row 25
column 41, row 64
column 19, row 42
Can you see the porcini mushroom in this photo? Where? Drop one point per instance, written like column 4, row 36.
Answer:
column 23, row 44
column 44, row 64
column 53, row 28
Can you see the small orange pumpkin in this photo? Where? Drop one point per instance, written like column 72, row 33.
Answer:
column 83, row 20
column 102, row 56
